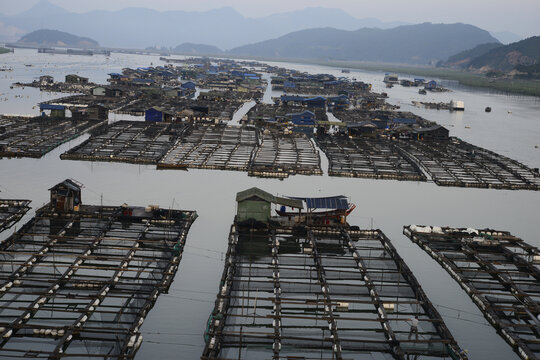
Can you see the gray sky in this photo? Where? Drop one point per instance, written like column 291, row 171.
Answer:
column 518, row 16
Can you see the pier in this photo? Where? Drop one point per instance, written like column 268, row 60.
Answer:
column 498, row 271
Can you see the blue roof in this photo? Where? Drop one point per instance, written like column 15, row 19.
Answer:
column 334, row 202
column 115, row 74
column 333, row 82
column 316, row 98
column 51, row 107
column 305, row 112
column 188, row 84
column 286, row 98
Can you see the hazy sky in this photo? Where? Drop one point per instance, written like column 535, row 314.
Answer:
column 518, row 16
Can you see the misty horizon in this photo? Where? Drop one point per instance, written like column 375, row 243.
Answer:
column 486, row 15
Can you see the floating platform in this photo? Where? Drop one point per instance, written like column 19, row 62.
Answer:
column 368, row 158
column 283, row 155
column 243, row 148
column 80, row 284
column 327, row 293
column 213, row 147
column 11, row 211
column 35, row 137
column 498, row 271
column 458, row 163
column 134, row 142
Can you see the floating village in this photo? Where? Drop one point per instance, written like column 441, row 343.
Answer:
column 298, row 280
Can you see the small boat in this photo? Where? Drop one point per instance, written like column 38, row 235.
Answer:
column 345, row 71
column 389, row 85
column 391, row 78
column 488, row 109
column 422, row 92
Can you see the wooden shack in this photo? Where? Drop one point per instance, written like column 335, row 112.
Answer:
column 254, row 205
column 436, row 132
column 66, row 196
column 76, row 79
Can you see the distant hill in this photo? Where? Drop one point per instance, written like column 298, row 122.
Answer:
column 57, row 38
column 412, row 44
column 139, row 27
column 197, row 49
column 506, row 58
column 464, row 58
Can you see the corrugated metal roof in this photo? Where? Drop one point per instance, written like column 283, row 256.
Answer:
column 254, row 191
column 333, row 202
column 69, row 184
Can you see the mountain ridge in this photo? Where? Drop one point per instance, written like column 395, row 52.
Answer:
column 137, row 27
column 505, row 58
column 413, row 44
column 46, row 37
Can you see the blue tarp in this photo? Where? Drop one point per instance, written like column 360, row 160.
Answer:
column 334, row 202
column 154, row 115
column 188, row 85
column 51, row 107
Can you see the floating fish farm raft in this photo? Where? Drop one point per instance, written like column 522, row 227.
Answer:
column 281, row 155
column 458, row 163
column 324, row 293
column 34, row 137
column 498, row 271
column 11, row 211
column 133, row 142
column 450, row 162
column 368, row 158
column 213, row 147
column 79, row 284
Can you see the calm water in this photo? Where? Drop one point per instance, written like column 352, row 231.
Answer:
column 175, row 326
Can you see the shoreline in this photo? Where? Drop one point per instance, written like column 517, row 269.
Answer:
column 507, row 86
